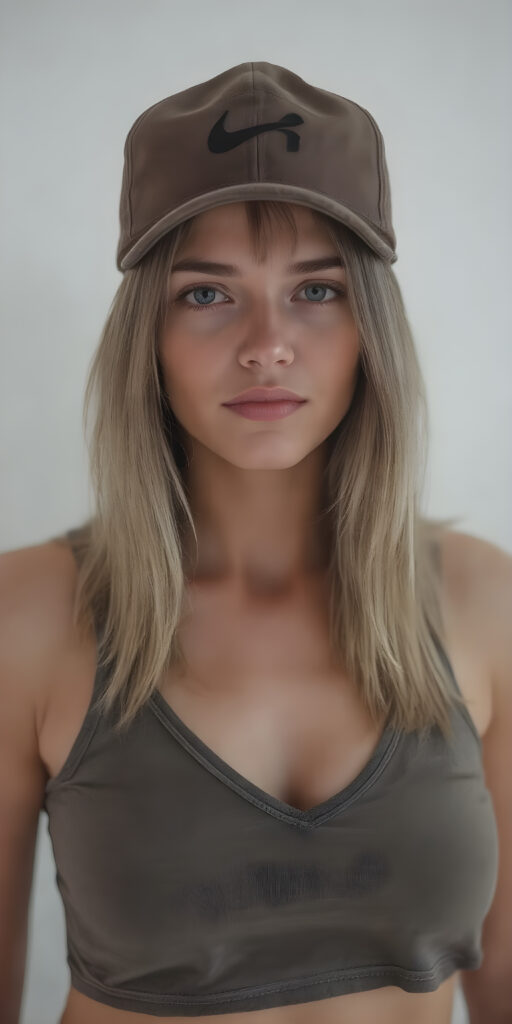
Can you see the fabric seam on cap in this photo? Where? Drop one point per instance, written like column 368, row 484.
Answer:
column 256, row 138
column 133, row 131
column 275, row 181
column 379, row 164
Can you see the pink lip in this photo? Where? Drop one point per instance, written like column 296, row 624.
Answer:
column 274, row 394
column 265, row 410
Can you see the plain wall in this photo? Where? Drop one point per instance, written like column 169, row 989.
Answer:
column 437, row 77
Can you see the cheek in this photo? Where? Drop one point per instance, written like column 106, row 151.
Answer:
column 335, row 373
column 335, row 362
column 190, row 380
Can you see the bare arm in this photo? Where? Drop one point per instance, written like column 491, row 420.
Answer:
column 22, row 773
column 488, row 990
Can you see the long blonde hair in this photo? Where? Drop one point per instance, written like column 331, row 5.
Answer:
column 384, row 571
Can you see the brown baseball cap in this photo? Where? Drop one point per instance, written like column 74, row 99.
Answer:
column 256, row 131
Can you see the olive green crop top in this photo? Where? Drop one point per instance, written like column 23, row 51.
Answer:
column 187, row 890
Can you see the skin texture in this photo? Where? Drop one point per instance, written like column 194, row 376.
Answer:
column 255, row 486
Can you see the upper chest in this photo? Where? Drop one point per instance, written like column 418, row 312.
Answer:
column 261, row 690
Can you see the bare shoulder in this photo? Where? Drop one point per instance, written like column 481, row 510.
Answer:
column 467, row 554
column 36, row 599
column 477, row 575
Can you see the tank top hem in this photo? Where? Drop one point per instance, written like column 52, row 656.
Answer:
column 291, row 992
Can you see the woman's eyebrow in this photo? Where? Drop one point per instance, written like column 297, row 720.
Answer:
column 228, row 270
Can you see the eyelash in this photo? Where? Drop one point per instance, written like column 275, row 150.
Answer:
column 197, row 306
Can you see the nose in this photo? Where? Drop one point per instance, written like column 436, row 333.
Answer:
column 267, row 341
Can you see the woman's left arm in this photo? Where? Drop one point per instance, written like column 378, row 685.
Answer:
column 488, row 990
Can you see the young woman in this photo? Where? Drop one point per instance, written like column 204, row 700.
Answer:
column 261, row 697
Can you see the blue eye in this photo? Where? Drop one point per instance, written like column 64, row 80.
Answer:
column 205, row 288
column 326, row 287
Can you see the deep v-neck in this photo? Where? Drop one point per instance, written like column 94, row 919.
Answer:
column 272, row 805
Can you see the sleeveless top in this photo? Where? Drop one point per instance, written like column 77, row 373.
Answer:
column 188, row 890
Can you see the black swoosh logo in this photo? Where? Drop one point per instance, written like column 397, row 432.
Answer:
column 221, row 141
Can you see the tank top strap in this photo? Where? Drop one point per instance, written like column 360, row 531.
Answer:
column 447, row 663
column 102, row 671
column 436, row 555
column 71, row 538
column 463, row 709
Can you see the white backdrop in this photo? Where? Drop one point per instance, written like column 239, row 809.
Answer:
column 436, row 75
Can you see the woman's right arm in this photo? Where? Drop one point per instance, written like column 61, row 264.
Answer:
column 23, row 666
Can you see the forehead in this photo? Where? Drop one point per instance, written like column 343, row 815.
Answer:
column 230, row 227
